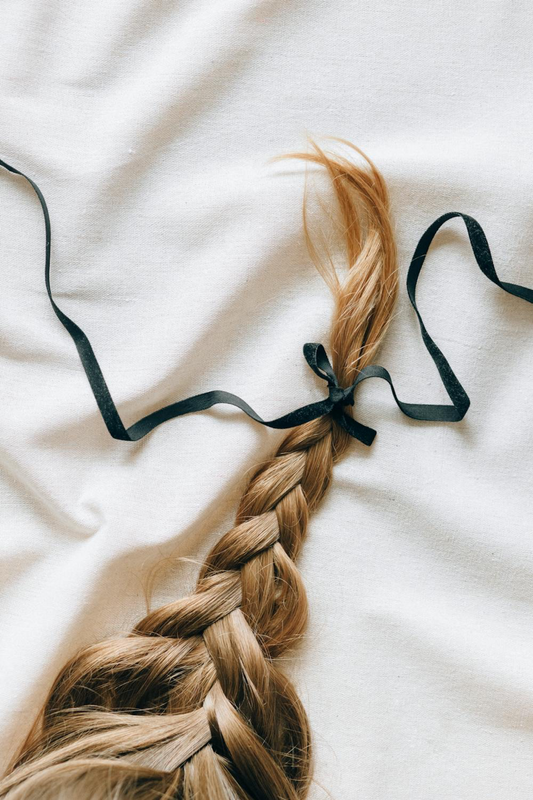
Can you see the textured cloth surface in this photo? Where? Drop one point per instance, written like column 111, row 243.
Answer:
column 178, row 248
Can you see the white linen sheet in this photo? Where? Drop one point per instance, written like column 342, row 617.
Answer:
column 178, row 248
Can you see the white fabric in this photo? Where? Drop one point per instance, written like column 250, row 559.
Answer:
column 178, row 248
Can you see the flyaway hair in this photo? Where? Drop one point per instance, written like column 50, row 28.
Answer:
column 191, row 705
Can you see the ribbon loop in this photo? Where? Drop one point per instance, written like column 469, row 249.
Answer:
column 317, row 358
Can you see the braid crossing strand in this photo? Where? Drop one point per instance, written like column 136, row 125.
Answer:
column 192, row 704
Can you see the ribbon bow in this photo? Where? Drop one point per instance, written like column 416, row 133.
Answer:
column 338, row 397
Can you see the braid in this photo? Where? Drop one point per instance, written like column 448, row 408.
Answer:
column 192, row 705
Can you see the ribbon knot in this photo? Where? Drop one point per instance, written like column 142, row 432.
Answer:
column 340, row 396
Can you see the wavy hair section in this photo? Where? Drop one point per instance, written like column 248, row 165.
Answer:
column 192, row 704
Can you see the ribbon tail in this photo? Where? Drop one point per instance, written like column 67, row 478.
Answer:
column 356, row 429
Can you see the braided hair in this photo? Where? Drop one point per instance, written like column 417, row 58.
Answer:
column 192, row 704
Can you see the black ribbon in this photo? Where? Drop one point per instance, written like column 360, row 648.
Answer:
column 315, row 355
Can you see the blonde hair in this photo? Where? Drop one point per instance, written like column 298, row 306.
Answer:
column 192, row 704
